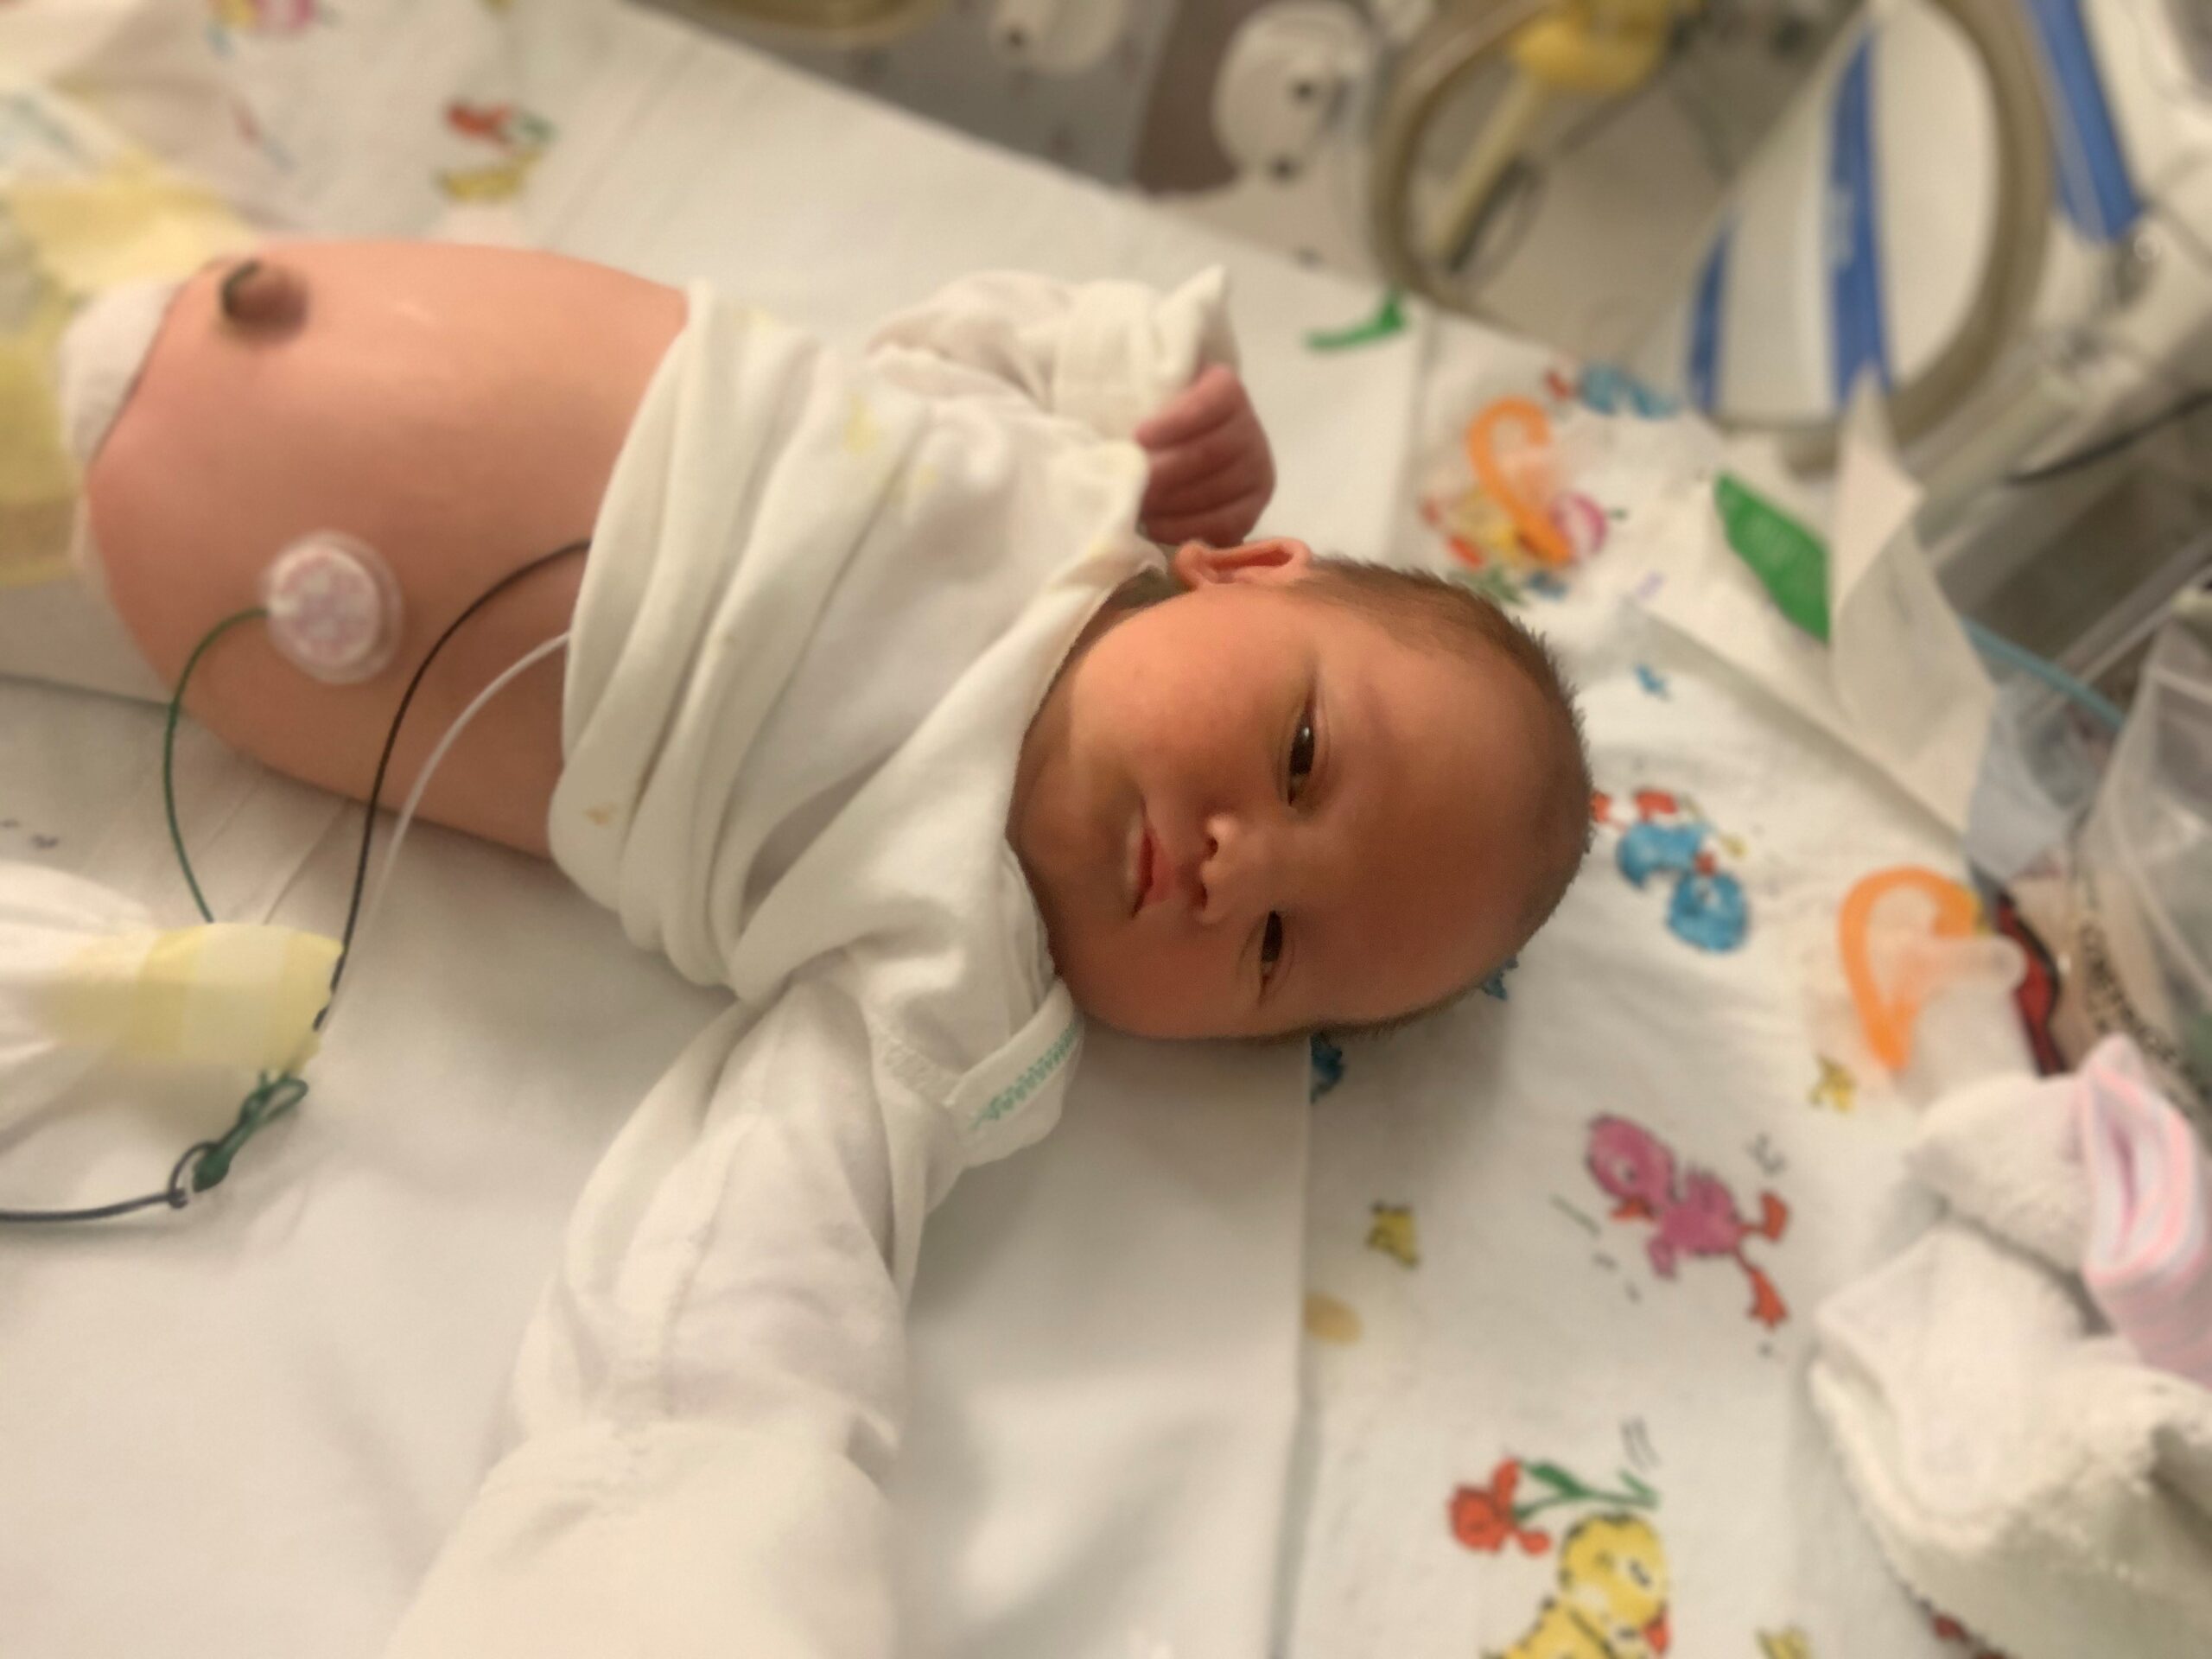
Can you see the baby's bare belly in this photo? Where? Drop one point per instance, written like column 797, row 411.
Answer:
column 459, row 410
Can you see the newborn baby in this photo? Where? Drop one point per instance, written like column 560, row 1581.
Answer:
column 880, row 707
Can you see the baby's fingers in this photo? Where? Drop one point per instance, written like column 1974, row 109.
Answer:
column 1251, row 471
column 1191, row 461
column 1216, row 396
column 1221, row 524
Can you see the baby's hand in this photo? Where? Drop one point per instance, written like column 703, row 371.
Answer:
column 1211, row 470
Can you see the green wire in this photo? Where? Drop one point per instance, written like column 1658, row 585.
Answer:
column 206, row 1163
column 271, row 1097
column 169, row 752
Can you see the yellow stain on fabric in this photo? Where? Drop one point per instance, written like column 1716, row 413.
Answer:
column 917, row 486
column 133, row 221
column 38, row 480
column 69, row 235
column 1332, row 1321
column 1394, row 1234
column 861, row 432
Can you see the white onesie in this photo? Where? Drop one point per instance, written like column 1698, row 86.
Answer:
column 824, row 598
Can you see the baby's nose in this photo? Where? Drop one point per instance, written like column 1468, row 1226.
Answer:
column 1231, row 873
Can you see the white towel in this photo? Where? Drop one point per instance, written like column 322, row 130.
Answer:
column 2021, row 1467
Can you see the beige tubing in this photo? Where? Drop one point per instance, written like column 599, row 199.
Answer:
column 835, row 23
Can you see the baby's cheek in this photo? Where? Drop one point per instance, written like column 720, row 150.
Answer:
column 1137, row 986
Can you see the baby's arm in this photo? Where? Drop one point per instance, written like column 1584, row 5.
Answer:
column 1125, row 360
column 1212, row 472
column 1106, row 353
column 711, row 1394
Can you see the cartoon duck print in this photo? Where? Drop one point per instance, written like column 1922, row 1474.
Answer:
column 1835, row 1087
column 521, row 134
column 1393, row 1233
column 1948, row 1629
column 1327, row 1061
column 1612, row 1600
column 1607, row 389
column 267, row 16
column 1693, row 1215
column 494, row 181
column 508, row 125
column 1708, row 908
column 1791, row 1643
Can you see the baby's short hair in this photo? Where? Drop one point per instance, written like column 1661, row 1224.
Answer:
column 1453, row 618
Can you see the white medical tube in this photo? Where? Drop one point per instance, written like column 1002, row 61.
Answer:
column 530, row 659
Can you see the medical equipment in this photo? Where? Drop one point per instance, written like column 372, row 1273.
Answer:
column 1896, row 964
column 2128, row 909
column 86, row 972
column 1285, row 80
column 89, row 977
column 333, row 608
column 1600, row 49
column 850, row 22
column 1696, row 328
column 1520, row 479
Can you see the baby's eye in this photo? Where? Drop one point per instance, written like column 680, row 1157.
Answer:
column 1270, row 945
column 1302, row 756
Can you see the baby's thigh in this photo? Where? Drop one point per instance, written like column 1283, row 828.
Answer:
column 458, row 410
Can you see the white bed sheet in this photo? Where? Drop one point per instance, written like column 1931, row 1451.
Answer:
column 1481, row 1299
column 245, row 1428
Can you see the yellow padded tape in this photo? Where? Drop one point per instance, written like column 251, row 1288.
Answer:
column 228, row 994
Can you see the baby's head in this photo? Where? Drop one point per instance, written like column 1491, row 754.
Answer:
column 1280, row 793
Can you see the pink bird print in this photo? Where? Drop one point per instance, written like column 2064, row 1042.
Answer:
column 1695, row 1216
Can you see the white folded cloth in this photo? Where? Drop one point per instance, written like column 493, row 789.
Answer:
column 2021, row 1466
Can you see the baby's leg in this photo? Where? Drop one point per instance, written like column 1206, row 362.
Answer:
column 459, row 410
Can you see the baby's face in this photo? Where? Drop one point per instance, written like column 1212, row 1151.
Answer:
column 1250, row 810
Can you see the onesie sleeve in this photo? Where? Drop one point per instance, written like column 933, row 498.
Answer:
column 1105, row 353
column 709, row 1398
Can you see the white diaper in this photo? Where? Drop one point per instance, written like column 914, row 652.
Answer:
column 101, row 355
column 66, row 632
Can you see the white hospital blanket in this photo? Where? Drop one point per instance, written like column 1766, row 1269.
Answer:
column 260, row 1417
column 1497, row 1352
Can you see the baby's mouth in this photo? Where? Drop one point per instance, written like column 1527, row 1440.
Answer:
column 1142, row 852
column 1146, row 866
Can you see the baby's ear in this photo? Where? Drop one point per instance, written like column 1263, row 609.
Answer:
column 1280, row 559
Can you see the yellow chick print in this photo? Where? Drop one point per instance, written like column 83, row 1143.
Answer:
column 1836, row 1089
column 1612, row 1601
column 1792, row 1643
column 500, row 180
column 1393, row 1233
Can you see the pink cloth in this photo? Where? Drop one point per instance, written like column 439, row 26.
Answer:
column 2148, row 1262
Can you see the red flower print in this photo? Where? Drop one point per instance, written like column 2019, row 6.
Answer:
column 1483, row 1518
